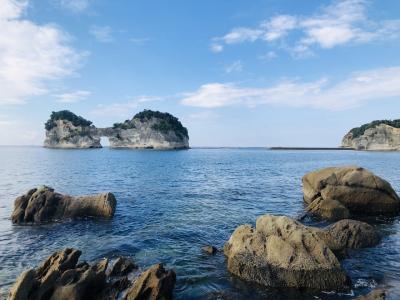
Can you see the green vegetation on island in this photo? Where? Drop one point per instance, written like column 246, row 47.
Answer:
column 166, row 122
column 359, row 131
column 68, row 116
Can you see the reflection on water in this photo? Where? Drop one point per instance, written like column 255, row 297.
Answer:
column 171, row 203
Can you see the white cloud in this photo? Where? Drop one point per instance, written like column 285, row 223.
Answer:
column 278, row 27
column 270, row 55
column 102, row 33
column 342, row 22
column 358, row 88
column 18, row 132
column 75, row 6
column 216, row 48
column 124, row 109
column 73, row 97
column 234, row 67
column 139, row 41
column 30, row 54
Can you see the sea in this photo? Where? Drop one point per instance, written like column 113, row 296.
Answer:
column 172, row 203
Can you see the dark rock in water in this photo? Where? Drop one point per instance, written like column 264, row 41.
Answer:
column 281, row 252
column 209, row 249
column 43, row 204
column 351, row 234
column 122, row 266
column 60, row 277
column 154, row 284
column 343, row 192
column 378, row 294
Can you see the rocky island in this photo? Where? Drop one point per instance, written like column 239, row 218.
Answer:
column 378, row 135
column 146, row 130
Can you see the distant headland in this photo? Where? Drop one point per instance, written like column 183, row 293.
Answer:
column 380, row 135
column 146, row 130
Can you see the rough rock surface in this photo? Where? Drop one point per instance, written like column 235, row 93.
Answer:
column 68, row 136
column 349, row 234
column 281, row 252
column 378, row 294
column 146, row 130
column 61, row 277
column 43, row 204
column 341, row 192
column 209, row 249
column 154, row 284
column 382, row 137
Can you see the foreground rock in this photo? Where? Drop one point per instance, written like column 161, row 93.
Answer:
column 61, row 277
column 378, row 294
column 381, row 135
column 146, row 130
column 43, row 204
column 343, row 192
column 349, row 234
column 281, row 252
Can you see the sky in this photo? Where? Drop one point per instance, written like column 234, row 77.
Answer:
column 236, row 73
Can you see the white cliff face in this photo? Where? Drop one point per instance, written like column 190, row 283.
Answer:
column 380, row 138
column 144, row 136
column 65, row 135
column 149, row 132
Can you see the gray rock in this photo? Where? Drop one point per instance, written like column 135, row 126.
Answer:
column 380, row 138
column 281, row 252
column 209, row 249
column 43, row 204
column 340, row 192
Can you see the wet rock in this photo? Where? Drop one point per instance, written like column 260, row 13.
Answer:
column 43, row 204
column 378, row 294
column 209, row 250
column 122, row 266
column 154, row 284
column 338, row 193
column 281, row 252
column 61, row 277
column 350, row 234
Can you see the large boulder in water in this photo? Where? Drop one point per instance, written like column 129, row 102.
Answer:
column 61, row 277
column 348, row 234
column 281, row 252
column 43, row 204
column 340, row 192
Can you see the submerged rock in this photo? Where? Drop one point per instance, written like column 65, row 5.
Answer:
column 146, row 130
column 281, row 252
column 341, row 192
column 209, row 249
column 378, row 294
column 43, row 204
column 61, row 277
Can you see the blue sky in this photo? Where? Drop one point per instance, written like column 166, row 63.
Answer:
column 236, row 73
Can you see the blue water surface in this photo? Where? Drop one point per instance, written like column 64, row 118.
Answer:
column 171, row 203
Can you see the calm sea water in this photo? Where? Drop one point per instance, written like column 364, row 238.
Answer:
column 171, row 203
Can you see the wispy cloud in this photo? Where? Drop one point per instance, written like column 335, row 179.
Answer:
column 124, row 109
column 73, row 97
column 31, row 54
column 139, row 41
column 76, row 6
column 342, row 22
column 357, row 89
column 234, row 67
column 103, row 34
column 270, row 55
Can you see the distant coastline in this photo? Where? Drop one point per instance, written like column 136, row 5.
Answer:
column 309, row 148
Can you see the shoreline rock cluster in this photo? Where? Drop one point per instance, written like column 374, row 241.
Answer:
column 146, row 130
column 281, row 252
column 62, row 277
column 278, row 252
